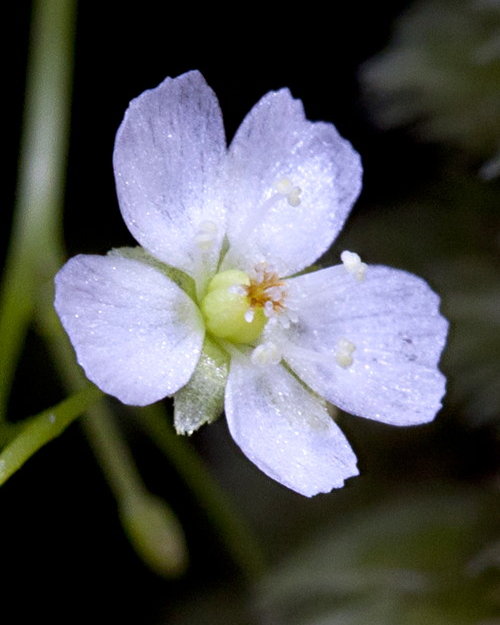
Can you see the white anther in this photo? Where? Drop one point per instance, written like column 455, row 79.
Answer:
column 284, row 186
column 343, row 354
column 352, row 263
column 249, row 315
column 206, row 235
column 294, row 196
column 266, row 354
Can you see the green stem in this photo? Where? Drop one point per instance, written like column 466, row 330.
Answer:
column 148, row 521
column 33, row 257
column 42, row 428
column 37, row 215
column 233, row 530
column 113, row 453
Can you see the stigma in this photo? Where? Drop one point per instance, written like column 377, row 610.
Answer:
column 266, row 290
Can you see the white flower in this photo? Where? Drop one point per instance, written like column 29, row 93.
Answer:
column 224, row 234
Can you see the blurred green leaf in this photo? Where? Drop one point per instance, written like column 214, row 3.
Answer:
column 441, row 72
column 406, row 562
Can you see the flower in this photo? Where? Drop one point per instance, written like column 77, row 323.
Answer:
column 213, row 308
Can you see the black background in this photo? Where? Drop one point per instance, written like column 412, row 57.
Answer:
column 63, row 554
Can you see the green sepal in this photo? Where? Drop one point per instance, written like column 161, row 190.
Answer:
column 201, row 400
column 185, row 282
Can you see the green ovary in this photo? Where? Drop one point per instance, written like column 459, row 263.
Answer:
column 224, row 310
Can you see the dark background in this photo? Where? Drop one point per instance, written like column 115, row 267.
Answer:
column 63, row 553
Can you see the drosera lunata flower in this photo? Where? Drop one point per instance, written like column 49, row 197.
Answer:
column 213, row 308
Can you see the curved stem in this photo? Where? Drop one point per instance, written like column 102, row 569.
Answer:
column 233, row 530
column 42, row 428
column 37, row 215
column 149, row 522
column 113, row 453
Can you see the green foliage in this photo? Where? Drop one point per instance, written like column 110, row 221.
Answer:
column 441, row 72
column 411, row 560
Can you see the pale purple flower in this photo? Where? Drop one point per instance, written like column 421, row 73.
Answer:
column 144, row 324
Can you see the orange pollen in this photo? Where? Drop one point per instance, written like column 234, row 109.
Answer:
column 267, row 287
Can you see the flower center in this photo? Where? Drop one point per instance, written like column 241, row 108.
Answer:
column 237, row 306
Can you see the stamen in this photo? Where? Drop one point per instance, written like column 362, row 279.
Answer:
column 281, row 188
column 343, row 355
column 285, row 187
column 294, row 196
column 206, row 235
column 275, row 292
column 352, row 263
column 249, row 315
column 269, row 308
column 266, row 354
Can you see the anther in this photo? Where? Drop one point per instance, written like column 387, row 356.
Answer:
column 352, row 263
column 343, row 354
column 266, row 354
column 285, row 187
column 206, row 235
column 294, row 196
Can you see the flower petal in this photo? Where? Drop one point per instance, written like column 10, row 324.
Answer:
column 167, row 159
column 137, row 335
column 286, row 430
column 392, row 320
column 276, row 146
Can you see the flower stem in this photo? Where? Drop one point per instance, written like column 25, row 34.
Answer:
column 148, row 521
column 150, row 524
column 42, row 428
column 239, row 540
column 37, row 214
